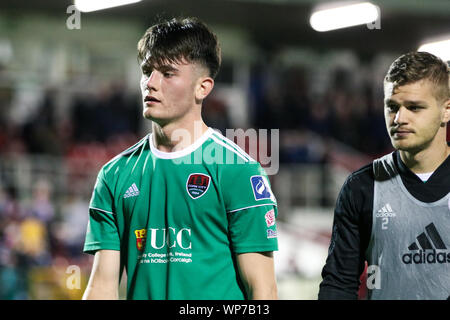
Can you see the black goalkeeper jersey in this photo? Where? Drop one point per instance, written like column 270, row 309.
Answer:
column 352, row 225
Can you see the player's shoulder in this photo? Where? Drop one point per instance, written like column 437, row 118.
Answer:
column 355, row 196
column 362, row 177
column 124, row 157
column 231, row 152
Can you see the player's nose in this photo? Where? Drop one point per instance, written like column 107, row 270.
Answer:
column 401, row 116
column 154, row 80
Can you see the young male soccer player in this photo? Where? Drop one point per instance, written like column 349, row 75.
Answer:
column 395, row 212
column 185, row 211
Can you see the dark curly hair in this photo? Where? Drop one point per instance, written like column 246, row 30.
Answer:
column 180, row 39
column 416, row 66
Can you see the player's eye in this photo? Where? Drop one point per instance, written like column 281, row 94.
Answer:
column 146, row 70
column 414, row 108
column 168, row 74
column 392, row 107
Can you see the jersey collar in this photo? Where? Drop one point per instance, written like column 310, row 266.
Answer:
column 180, row 153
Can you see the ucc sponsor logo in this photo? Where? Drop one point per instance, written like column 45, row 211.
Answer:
column 162, row 237
column 170, row 237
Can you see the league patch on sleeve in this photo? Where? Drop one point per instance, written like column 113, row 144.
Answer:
column 270, row 218
column 271, row 233
column 260, row 187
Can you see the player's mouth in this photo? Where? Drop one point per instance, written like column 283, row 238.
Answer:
column 150, row 100
column 401, row 132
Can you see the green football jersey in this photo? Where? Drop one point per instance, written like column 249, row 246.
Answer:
column 180, row 218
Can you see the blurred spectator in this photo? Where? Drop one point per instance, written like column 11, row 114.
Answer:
column 33, row 241
column 41, row 206
column 40, row 131
column 13, row 265
column 71, row 229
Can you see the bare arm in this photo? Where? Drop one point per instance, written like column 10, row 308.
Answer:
column 258, row 275
column 104, row 280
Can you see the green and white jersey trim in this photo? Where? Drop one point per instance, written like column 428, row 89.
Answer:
column 258, row 205
column 129, row 150
column 102, row 210
column 181, row 153
column 210, row 133
column 230, row 145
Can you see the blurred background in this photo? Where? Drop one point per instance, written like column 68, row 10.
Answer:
column 70, row 101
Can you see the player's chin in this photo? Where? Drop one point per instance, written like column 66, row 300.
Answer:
column 150, row 114
column 146, row 113
column 157, row 118
column 407, row 146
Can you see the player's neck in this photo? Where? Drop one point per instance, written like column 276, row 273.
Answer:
column 175, row 136
column 427, row 160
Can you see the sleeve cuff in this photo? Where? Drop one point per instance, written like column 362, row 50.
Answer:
column 93, row 247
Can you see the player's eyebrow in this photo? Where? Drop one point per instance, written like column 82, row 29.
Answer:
column 415, row 103
column 406, row 102
column 166, row 67
column 390, row 101
column 147, row 67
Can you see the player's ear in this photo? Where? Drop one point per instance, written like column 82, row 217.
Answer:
column 446, row 117
column 205, row 85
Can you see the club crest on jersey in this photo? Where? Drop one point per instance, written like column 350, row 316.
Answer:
column 141, row 236
column 261, row 189
column 197, row 184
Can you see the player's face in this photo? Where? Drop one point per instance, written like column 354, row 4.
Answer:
column 169, row 91
column 413, row 115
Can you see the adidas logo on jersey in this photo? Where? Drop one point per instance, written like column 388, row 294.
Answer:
column 432, row 241
column 132, row 191
column 385, row 212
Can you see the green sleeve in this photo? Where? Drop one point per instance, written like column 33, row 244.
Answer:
column 102, row 232
column 253, row 229
column 251, row 208
column 245, row 186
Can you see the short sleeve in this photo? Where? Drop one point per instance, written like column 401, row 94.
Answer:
column 251, row 208
column 102, row 198
column 102, row 232
column 245, row 186
column 253, row 229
